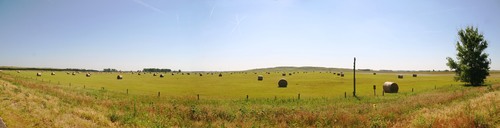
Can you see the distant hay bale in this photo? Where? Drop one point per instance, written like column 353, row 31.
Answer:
column 18, row 71
column 391, row 87
column 39, row 74
column 188, row 73
column 161, row 75
column 282, row 83
column 154, row 74
column 342, row 75
column 220, row 75
column 338, row 74
column 334, row 73
column 260, row 78
column 139, row 74
column 201, row 74
column 119, row 77
column 283, row 74
column 400, row 76
column 414, row 75
column 68, row 73
column 88, row 74
column 172, row 74
column 374, row 73
column 53, row 73
column 73, row 73
column 289, row 74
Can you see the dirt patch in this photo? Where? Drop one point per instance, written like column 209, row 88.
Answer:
column 2, row 125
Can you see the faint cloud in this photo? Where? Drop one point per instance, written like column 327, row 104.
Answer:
column 149, row 6
column 237, row 23
column 212, row 11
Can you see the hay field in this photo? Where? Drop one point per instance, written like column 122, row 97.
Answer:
column 31, row 101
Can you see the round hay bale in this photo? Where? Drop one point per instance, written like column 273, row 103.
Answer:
column 73, row 73
column 289, row 74
column 220, row 75
column 201, row 74
column 119, row 77
column 161, row 75
column 88, row 74
column 260, row 78
column 53, row 73
column 414, row 75
column 154, row 74
column 39, row 74
column 67, row 73
column 283, row 74
column 391, row 87
column 400, row 76
column 139, row 74
column 282, row 83
column 172, row 74
column 374, row 73
column 18, row 71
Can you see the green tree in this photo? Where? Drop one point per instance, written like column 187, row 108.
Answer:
column 472, row 65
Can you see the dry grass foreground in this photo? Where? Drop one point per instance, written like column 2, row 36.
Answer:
column 27, row 103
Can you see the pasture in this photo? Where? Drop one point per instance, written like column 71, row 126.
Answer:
column 50, row 101
column 234, row 85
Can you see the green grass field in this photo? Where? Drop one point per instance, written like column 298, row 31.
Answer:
column 437, row 100
column 234, row 85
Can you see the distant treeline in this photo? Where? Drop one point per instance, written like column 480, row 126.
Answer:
column 156, row 70
column 109, row 70
column 48, row 69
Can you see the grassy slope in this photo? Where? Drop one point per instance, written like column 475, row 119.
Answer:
column 27, row 102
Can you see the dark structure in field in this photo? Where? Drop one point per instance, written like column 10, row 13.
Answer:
column 400, row 76
column 282, row 83
column 53, row 73
column 39, row 74
column 260, row 78
column 391, row 87
column 161, row 75
column 119, row 77
column 414, row 75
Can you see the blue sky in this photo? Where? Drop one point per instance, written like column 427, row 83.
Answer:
column 216, row 35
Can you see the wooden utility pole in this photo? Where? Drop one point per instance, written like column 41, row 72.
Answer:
column 354, row 70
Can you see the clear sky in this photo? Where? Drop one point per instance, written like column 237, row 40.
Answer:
column 216, row 35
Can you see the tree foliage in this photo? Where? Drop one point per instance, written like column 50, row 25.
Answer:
column 472, row 65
